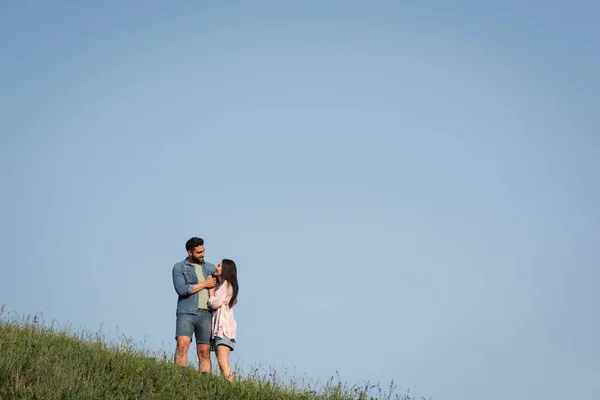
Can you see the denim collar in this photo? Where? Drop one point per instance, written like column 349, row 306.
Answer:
column 187, row 262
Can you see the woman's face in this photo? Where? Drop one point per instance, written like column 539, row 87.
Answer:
column 218, row 268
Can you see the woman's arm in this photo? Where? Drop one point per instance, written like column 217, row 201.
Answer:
column 221, row 296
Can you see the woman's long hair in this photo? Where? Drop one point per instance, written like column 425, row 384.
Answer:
column 229, row 274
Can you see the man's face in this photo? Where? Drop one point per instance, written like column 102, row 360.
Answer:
column 197, row 255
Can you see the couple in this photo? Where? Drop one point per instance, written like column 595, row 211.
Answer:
column 204, row 308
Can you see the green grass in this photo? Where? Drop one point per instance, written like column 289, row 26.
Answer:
column 48, row 362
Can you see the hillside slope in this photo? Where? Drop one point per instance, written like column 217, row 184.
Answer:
column 39, row 362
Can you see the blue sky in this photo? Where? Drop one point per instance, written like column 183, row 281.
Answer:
column 408, row 188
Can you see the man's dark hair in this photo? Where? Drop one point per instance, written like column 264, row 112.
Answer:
column 193, row 243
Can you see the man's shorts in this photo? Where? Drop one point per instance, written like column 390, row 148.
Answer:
column 199, row 324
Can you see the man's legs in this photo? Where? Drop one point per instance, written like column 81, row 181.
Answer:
column 204, row 357
column 183, row 345
column 184, row 329
column 203, row 334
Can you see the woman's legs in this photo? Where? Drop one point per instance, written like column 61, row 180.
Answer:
column 223, row 359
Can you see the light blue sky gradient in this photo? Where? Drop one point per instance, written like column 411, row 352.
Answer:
column 409, row 189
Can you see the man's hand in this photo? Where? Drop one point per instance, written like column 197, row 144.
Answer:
column 207, row 284
column 210, row 283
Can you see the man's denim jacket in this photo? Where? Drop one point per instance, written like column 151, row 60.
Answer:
column 184, row 279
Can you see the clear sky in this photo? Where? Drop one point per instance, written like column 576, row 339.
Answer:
column 409, row 189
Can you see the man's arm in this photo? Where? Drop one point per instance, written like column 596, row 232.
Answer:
column 181, row 287
column 186, row 289
column 207, row 284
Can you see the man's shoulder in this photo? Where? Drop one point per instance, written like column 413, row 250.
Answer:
column 179, row 265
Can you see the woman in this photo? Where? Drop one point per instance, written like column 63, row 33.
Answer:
column 224, row 326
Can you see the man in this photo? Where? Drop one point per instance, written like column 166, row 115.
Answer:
column 192, row 278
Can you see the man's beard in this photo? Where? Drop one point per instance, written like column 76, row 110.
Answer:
column 195, row 260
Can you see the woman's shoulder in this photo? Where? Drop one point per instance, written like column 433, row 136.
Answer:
column 225, row 286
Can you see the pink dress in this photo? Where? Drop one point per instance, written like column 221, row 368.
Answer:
column 223, row 322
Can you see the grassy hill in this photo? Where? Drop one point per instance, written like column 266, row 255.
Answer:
column 44, row 362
